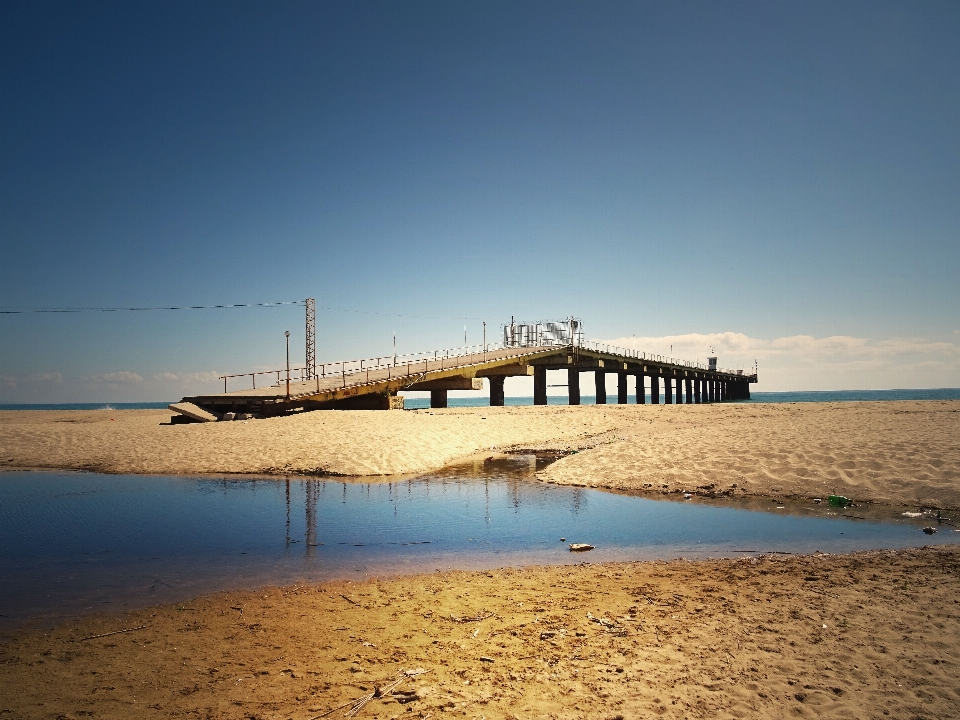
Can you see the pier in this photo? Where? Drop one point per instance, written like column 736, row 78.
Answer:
column 527, row 350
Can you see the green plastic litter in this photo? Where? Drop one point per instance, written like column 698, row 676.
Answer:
column 839, row 501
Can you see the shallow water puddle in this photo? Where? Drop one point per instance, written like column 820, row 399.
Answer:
column 73, row 543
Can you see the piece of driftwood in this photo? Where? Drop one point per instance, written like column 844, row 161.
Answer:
column 580, row 547
column 478, row 618
column 352, row 602
column 382, row 691
column 602, row 621
column 115, row 632
column 355, row 706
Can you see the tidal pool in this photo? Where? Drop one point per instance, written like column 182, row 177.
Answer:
column 74, row 543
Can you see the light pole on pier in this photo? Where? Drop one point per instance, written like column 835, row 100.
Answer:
column 287, row 334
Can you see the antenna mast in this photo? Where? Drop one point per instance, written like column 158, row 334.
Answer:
column 311, row 369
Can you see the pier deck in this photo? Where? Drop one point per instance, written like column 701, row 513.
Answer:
column 375, row 384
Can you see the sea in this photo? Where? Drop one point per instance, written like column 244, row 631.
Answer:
column 755, row 397
column 419, row 403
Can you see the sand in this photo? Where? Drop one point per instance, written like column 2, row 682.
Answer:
column 899, row 453
column 869, row 635
column 332, row 442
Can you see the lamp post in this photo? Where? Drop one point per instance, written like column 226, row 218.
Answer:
column 287, row 334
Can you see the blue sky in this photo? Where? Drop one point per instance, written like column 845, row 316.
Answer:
column 757, row 171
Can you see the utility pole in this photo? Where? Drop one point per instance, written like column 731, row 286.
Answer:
column 287, row 334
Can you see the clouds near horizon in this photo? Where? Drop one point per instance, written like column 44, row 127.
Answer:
column 804, row 362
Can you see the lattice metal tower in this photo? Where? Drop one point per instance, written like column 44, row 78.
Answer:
column 311, row 369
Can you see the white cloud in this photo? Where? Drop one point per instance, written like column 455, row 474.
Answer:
column 188, row 379
column 118, row 386
column 119, row 378
column 39, row 379
column 804, row 362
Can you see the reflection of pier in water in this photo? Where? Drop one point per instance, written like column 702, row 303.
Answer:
column 512, row 473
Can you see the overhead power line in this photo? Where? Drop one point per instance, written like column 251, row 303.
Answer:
column 23, row 311
column 141, row 309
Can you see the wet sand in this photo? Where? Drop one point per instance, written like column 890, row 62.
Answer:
column 899, row 453
column 869, row 635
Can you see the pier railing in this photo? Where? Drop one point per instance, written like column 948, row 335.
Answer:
column 342, row 368
column 410, row 363
column 653, row 357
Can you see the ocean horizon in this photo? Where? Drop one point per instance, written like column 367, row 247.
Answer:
column 483, row 400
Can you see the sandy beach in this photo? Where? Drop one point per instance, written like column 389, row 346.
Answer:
column 869, row 635
column 900, row 453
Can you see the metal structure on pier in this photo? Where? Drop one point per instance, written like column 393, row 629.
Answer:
column 311, row 335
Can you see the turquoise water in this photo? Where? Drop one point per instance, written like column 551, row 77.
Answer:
column 74, row 543
column 762, row 397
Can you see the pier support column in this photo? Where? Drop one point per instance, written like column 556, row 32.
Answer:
column 573, row 385
column 622, row 387
column 667, row 390
column 496, row 390
column 438, row 398
column 641, row 390
column 746, row 390
column 696, row 391
column 679, row 391
column 654, row 389
column 689, row 390
column 601, row 379
column 711, row 389
column 539, row 385
column 723, row 390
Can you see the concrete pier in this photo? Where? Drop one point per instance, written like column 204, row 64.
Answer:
column 375, row 384
column 539, row 385
column 573, row 385
column 601, row 380
column 496, row 390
